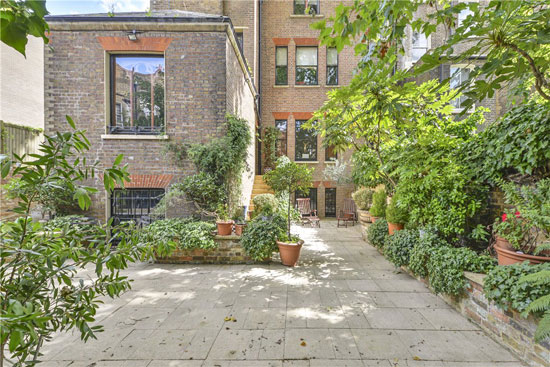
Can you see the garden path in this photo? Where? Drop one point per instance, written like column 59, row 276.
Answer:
column 344, row 305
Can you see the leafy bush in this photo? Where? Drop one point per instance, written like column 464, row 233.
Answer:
column 503, row 286
column 377, row 232
column 259, row 239
column 203, row 189
column 541, row 304
column 395, row 213
column 446, row 267
column 378, row 208
column 184, row 233
column 265, row 204
column 78, row 222
column 397, row 247
column 363, row 198
column 517, row 144
column 421, row 252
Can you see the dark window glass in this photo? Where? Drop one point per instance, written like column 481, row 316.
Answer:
column 137, row 86
column 310, row 7
column 281, row 65
column 281, row 141
column 330, row 202
column 312, row 195
column 134, row 204
column 330, row 154
column 306, row 65
column 306, row 143
column 332, row 66
column 240, row 40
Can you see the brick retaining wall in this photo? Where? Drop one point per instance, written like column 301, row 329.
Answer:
column 229, row 251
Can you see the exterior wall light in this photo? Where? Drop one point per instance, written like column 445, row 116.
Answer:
column 132, row 36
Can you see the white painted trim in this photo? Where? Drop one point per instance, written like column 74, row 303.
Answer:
column 133, row 137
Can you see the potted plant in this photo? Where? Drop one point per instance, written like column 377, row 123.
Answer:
column 363, row 200
column 238, row 218
column 286, row 178
column 523, row 232
column 223, row 223
column 395, row 215
column 378, row 208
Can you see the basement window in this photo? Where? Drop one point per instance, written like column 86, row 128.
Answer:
column 137, row 94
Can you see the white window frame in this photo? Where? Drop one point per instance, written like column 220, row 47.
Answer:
column 461, row 66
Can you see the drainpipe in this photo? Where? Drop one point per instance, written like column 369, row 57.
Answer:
column 259, row 86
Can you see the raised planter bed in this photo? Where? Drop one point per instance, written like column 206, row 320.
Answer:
column 508, row 328
column 229, row 251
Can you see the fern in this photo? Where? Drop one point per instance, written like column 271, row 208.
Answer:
column 541, row 304
column 541, row 247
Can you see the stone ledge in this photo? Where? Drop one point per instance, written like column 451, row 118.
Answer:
column 133, row 137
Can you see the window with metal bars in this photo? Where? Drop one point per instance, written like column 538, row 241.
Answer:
column 134, row 204
column 330, row 202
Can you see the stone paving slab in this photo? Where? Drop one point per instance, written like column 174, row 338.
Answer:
column 343, row 305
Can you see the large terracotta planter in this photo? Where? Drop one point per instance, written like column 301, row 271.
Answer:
column 392, row 227
column 507, row 255
column 239, row 229
column 290, row 252
column 224, row 227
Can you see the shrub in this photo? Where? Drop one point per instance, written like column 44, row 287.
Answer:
column 503, row 286
column 265, row 204
column 394, row 213
column 541, row 304
column 202, row 189
column 259, row 239
column 363, row 198
column 185, row 233
column 378, row 208
column 420, row 254
column 446, row 267
column 398, row 246
column 377, row 232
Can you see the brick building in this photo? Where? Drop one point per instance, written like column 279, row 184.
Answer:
column 256, row 58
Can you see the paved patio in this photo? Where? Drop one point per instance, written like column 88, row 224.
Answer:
column 344, row 305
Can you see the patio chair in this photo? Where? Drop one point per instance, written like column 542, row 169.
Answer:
column 308, row 215
column 348, row 213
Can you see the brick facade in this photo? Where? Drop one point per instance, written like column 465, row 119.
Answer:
column 199, row 91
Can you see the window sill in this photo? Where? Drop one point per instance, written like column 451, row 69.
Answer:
column 280, row 86
column 307, row 16
column 133, row 137
column 307, row 162
column 333, row 85
column 307, row 86
column 330, row 162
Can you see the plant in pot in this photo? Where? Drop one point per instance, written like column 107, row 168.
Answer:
column 238, row 218
column 395, row 215
column 378, row 208
column 223, row 223
column 523, row 232
column 286, row 178
column 363, row 200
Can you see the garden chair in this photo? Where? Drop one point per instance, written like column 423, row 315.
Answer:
column 348, row 213
column 308, row 215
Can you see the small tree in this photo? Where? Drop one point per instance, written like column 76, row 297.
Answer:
column 287, row 178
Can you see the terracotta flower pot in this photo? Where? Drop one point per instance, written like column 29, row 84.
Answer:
column 392, row 227
column 507, row 255
column 239, row 229
column 290, row 252
column 225, row 227
column 374, row 219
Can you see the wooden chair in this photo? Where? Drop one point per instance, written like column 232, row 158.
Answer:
column 348, row 213
column 308, row 215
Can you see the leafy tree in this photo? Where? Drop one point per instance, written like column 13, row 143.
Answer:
column 286, row 178
column 40, row 293
column 21, row 19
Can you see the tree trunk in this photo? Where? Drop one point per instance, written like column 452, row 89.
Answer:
column 288, row 212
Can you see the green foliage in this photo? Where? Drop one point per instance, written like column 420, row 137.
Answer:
column 379, row 203
column 446, row 267
column 269, row 140
column 397, row 247
column 287, row 178
column 265, row 204
column 363, row 198
column 395, row 213
column 421, row 252
column 503, row 286
column 41, row 293
column 377, row 232
column 203, row 189
column 21, row 19
column 516, row 145
column 541, row 304
column 238, row 215
column 85, row 225
column 181, row 233
column 260, row 236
